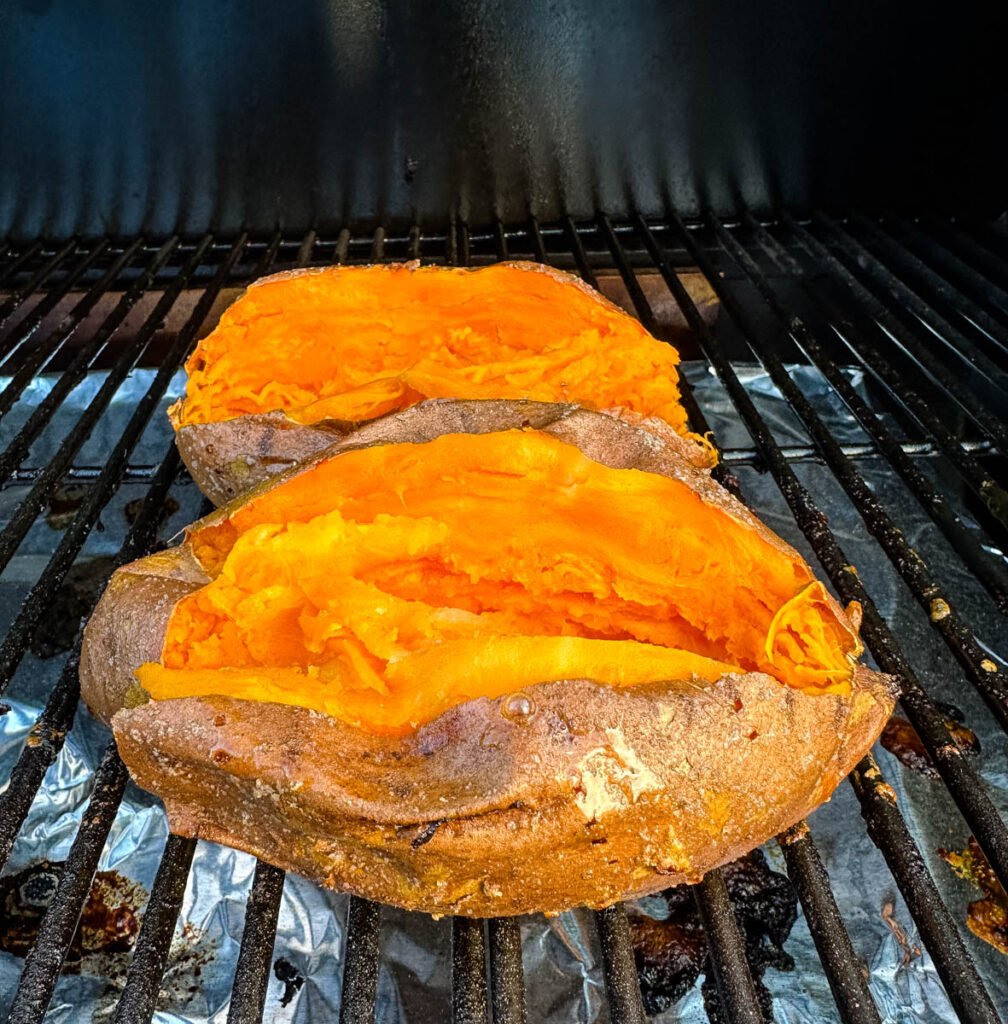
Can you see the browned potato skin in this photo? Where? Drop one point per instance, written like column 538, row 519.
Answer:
column 232, row 458
column 596, row 795
column 229, row 458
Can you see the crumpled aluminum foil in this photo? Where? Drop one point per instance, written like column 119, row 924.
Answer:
column 562, row 967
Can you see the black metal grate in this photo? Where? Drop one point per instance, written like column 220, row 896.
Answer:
column 920, row 308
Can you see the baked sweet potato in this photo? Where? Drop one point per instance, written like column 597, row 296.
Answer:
column 304, row 357
column 543, row 662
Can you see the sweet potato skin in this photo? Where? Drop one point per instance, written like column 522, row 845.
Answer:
column 569, row 793
column 228, row 458
column 596, row 796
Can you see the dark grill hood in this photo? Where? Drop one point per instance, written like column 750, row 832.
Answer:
column 124, row 118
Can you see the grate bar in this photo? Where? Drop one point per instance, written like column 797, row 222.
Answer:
column 46, row 738
column 621, row 981
column 39, row 752
column 507, row 975
column 890, row 834
column 378, row 244
column 69, row 378
column 870, row 358
column 469, row 994
column 252, row 973
column 909, row 306
column 268, row 256
column 45, row 959
column 150, row 957
column 941, row 294
column 16, row 297
column 973, row 286
column 32, row 360
column 342, row 246
column 536, row 237
column 893, row 330
column 697, row 419
column 304, row 256
column 727, row 955
column 990, row 574
column 815, row 527
column 908, row 563
column 952, row 340
column 500, row 240
column 360, row 962
column 50, row 301
column 845, row 972
column 17, row 262
column 19, row 634
column 19, row 524
column 990, row 271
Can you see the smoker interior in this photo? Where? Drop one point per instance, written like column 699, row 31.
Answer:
column 899, row 327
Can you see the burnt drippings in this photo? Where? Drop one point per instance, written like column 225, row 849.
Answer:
column 64, row 503
column 291, row 977
column 986, row 918
column 901, row 740
column 109, row 922
column 671, row 954
column 81, row 588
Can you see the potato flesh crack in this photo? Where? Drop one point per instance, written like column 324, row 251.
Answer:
column 385, row 585
column 353, row 343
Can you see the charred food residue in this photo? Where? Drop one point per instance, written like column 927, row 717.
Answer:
column 109, row 923
column 986, row 918
column 901, row 740
column 670, row 953
column 291, row 977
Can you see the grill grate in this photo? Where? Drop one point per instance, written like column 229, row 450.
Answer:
column 931, row 296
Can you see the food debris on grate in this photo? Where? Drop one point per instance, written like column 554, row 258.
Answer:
column 671, row 952
column 291, row 979
column 109, row 922
column 987, row 918
column 901, row 740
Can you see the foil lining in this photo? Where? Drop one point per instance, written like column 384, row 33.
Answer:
column 561, row 957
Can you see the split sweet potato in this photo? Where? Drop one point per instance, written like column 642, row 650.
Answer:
column 304, row 357
column 485, row 658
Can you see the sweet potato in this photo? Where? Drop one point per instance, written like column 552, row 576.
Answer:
column 511, row 669
column 304, row 357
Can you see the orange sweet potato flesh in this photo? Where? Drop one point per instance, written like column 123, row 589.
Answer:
column 387, row 584
column 355, row 343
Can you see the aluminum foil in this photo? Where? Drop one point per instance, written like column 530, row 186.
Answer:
column 561, row 957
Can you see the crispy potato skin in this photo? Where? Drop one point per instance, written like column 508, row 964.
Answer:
column 593, row 796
